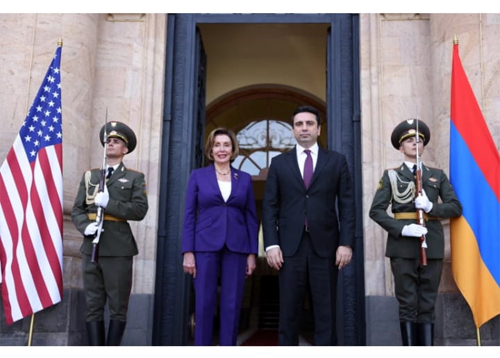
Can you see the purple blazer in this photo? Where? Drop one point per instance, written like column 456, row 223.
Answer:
column 210, row 222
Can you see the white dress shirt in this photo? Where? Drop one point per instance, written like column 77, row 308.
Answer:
column 301, row 156
column 225, row 189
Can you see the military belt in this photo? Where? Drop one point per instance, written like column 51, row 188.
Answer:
column 107, row 217
column 412, row 216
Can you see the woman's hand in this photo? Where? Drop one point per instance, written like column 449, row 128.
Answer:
column 251, row 264
column 189, row 263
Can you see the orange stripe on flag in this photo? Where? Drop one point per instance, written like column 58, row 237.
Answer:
column 471, row 275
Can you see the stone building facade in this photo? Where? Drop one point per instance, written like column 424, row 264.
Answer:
column 119, row 63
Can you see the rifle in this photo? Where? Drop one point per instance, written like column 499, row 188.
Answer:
column 420, row 212
column 100, row 210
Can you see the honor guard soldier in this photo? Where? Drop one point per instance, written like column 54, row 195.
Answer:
column 108, row 276
column 416, row 282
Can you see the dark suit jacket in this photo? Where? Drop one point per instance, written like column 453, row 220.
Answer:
column 436, row 186
column 127, row 200
column 210, row 222
column 286, row 202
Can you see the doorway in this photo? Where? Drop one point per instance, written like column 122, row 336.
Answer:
column 260, row 116
column 250, row 71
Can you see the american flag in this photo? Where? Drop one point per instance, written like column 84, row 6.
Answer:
column 31, row 215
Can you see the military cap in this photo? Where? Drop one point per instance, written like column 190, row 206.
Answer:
column 407, row 129
column 119, row 130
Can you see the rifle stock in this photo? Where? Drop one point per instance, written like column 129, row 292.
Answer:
column 421, row 221
column 420, row 212
column 99, row 219
column 100, row 210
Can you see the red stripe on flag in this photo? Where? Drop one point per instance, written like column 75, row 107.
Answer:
column 464, row 111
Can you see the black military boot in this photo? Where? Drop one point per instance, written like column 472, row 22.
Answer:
column 115, row 332
column 95, row 333
column 425, row 334
column 408, row 333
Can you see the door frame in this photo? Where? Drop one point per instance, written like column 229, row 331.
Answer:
column 178, row 158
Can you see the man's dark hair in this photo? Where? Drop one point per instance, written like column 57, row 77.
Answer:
column 308, row 109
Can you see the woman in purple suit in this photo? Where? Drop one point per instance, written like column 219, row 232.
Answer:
column 220, row 237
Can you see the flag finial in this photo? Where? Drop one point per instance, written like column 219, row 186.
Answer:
column 455, row 40
column 59, row 42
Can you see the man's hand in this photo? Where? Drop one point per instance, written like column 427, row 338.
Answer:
column 343, row 256
column 414, row 230
column 423, row 202
column 189, row 264
column 102, row 198
column 91, row 229
column 275, row 258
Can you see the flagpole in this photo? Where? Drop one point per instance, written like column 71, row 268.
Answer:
column 32, row 324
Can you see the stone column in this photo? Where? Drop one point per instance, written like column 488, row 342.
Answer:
column 79, row 34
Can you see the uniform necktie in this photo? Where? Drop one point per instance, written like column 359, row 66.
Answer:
column 110, row 172
column 414, row 169
column 308, row 168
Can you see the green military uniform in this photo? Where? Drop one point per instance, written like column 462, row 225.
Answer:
column 110, row 278
column 416, row 286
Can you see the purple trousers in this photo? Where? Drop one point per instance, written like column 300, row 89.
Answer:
column 231, row 266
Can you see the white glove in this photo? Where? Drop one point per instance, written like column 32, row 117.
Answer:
column 91, row 229
column 102, row 198
column 414, row 230
column 423, row 202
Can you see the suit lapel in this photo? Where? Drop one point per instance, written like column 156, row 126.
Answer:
column 293, row 166
column 406, row 172
column 320, row 165
column 212, row 178
column 235, row 182
column 427, row 173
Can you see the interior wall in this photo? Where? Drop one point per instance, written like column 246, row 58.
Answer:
column 242, row 55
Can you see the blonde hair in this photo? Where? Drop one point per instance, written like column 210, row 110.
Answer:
column 209, row 145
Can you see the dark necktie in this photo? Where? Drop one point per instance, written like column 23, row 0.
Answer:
column 414, row 169
column 110, row 172
column 308, row 173
column 308, row 168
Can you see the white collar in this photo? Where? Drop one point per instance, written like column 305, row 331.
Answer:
column 314, row 149
column 411, row 164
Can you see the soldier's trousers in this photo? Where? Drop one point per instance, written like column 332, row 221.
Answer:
column 416, row 288
column 110, row 279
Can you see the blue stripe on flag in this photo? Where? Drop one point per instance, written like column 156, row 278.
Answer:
column 481, row 209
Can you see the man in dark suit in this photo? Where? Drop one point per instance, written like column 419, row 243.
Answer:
column 306, row 239
column 124, row 198
column 416, row 286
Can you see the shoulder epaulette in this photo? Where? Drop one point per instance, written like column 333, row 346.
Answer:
column 133, row 170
